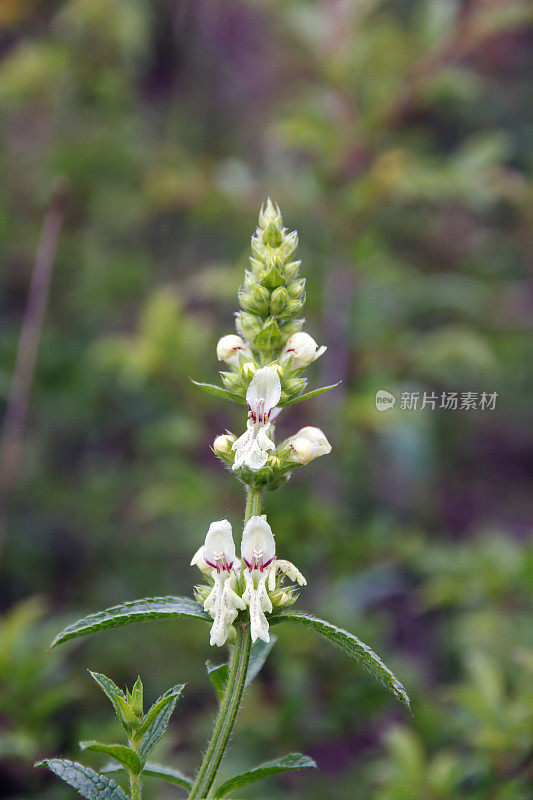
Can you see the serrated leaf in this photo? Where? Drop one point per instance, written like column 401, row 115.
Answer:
column 124, row 755
column 112, row 691
column 134, row 611
column 308, row 395
column 158, row 724
column 218, row 675
column 168, row 774
column 350, row 645
column 292, row 761
column 86, row 781
column 218, row 391
column 258, row 655
column 158, row 706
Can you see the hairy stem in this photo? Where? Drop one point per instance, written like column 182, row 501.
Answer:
column 253, row 503
column 229, row 706
column 136, row 791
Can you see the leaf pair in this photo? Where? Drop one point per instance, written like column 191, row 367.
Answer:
column 143, row 731
column 290, row 762
column 184, row 608
column 218, row 391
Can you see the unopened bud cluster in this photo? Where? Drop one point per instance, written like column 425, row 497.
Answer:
column 272, row 295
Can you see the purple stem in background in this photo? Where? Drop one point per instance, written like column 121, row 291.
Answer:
column 28, row 347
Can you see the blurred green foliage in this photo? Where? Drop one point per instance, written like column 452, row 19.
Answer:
column 395, row 137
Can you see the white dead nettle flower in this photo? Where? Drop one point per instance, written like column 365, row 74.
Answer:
column 230, row 347
column 309, row 443
column 218, row 556
column 302, row 350
column 258, row 551
column 262, row 397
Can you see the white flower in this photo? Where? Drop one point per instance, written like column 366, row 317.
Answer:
column 262, row 397
column 263, row 394
column 258, row 551
column 302, row 350
column 309, row 443
column 252, row 447
column 217, row 558
column 230, row 347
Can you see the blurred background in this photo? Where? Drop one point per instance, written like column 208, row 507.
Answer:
column 395, row 137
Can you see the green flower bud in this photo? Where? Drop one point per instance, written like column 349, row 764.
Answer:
column 137, row 698
column 291, row 326
column 296, row 289
column 261, row 298
column 290, row 271
column 270, row 213
column 249, row 280
column 293, row 385
column 292, row 308
column 129, row 719
column 256, row 300
column 232, row 381
column 278, row 300
column 258, row 248
column 257, row 268
column 290, row 243
column 248, row 325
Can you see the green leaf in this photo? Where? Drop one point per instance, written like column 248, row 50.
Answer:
column 307, row 396
column 259, row 654
column 159, row 771
column 292, row 761
column 218, row 675
column 218, row 391
column 112, row 691
column 156, row 723
column 351, row 645
column 158, row 706
column 124, row 755
column 89, row 784
column 134, row 611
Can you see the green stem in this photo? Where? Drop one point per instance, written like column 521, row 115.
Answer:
column 253, row 503
column 227, row 714
column 136, row 791
column 229, row 706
